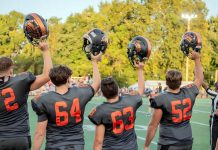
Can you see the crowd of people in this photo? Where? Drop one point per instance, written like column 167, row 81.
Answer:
column 87, row 80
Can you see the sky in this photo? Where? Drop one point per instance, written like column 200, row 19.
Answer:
column 63, row 8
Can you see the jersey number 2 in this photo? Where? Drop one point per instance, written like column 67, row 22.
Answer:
column 182, row 113
column 10, row 106
column 74, row 112
column 120, row 123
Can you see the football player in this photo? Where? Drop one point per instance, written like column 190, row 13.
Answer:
column 214, row 114
column 115, row 118
column 173, row 110
column 61, row 112
column 14, row 90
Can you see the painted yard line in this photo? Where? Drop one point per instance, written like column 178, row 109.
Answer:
column 85, row 117
column 198, row 123
column 143, row 139
column 94, row 103
column 202, row 102
column 207, row 108
column 142, row 112
column 203, row 105
column 201, row 111
column 208, row 102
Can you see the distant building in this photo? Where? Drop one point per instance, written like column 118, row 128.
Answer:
column 153, row 84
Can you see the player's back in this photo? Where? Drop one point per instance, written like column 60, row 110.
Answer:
column 177, row 111
column 65, row 116
column 118, row 119
column 13, row 106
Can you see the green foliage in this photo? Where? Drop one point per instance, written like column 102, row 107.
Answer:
column 11, row 35
column 158, row 20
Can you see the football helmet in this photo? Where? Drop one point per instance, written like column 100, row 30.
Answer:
column 191, row 40
column 94, row 42
column 35, row 28
column 139, row 49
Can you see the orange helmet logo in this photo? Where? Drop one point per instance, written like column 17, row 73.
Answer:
column 138, row 46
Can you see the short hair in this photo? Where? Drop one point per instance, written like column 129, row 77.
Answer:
column 173, row 79
column 5, row 64
column 60, row 74
column 109, row 87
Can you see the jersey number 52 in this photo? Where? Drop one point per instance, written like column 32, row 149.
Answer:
column 182, row 111
column 62, row 117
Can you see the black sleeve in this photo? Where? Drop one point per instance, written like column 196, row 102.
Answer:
column 211, row 93
column 87, row 92
column 138, row 99
column 95, row 116
column 134, row 99
column 39, row 109
column 192, row 88
column 28, row 79
column 155, row 102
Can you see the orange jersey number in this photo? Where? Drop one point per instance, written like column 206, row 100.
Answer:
column 118, row 125
column 9, row 102
column 62, row 117
column 181, row 113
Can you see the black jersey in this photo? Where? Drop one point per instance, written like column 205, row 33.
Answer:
column 14, row 119
column 177, row 111
column 65, row 116
column 118, row 119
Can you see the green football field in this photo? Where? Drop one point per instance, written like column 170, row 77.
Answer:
column 199, row 122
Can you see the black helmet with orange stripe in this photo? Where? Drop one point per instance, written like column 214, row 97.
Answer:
column 139, row 49
column 35, row 28
column 191, row 40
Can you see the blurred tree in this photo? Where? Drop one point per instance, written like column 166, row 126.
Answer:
column 213, row 40
column 158, row 20
column 11, row 34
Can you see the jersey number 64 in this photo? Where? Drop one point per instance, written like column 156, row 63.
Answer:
column 62, row 117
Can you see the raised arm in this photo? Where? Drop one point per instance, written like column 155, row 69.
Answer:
column 205, row 86
column 96, row 74
column 199, row 77
column 141, row 82
column 44, row 77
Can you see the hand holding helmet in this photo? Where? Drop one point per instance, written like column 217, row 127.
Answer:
column 191, row 41
column 94, row 42
column 35, row 28
column 139, row 50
